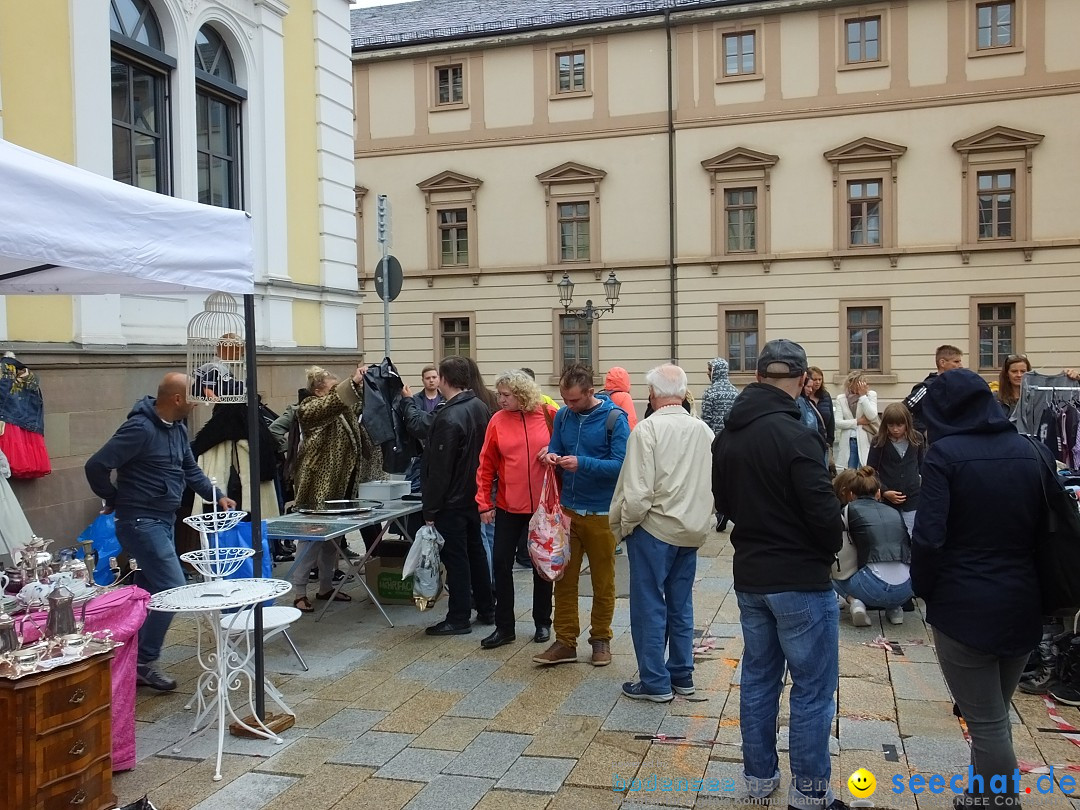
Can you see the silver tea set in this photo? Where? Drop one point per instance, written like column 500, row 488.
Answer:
column 43, row 582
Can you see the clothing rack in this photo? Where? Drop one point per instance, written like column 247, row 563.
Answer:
column 1074, row 388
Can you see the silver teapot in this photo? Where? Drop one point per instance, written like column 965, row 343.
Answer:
column 35, row 557
column 71, row 564
column 61, row 621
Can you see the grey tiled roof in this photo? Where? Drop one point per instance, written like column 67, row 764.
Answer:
column 435, row 20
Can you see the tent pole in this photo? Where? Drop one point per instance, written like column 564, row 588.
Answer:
column 253, row 497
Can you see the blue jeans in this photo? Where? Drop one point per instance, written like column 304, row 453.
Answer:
column 150, row 542
column 799, row 628
column 661, row 610
column 853, row 454
column 487, row 537
column 864, row 585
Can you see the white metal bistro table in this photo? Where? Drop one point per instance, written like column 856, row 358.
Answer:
column 227, row 659
column 312, row 528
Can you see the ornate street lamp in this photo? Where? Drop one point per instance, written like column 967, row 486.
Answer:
column 589, row 313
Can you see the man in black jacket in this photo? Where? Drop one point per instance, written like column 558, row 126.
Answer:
column 946, row 358
column 769, row 479
column 448, row 482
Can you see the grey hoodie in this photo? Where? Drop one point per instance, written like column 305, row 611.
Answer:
column 153, row 462
column 718, row 398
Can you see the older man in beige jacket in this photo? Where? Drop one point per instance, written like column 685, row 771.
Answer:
column 663, row 506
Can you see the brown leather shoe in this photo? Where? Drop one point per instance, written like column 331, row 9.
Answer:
column 557, row 653
column 601, row 652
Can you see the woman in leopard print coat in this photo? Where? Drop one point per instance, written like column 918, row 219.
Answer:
column 336, row 456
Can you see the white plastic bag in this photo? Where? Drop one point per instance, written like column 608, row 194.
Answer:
column 424, row 565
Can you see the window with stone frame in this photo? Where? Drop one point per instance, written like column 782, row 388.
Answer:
column 862, row 40
column 997, row 332
column 865, row 328
column 455, row 336
column 864, row 212
column 995, row 25
column 449, row 85
column 570, row 67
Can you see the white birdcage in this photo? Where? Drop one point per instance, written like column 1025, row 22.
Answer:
column 216, row 358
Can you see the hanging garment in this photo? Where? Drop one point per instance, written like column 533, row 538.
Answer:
column 20, row 396
column 383, row 420
column 25, row 452
column 1029, row 410
column 14, row 529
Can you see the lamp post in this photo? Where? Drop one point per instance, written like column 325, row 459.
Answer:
column 589, row 312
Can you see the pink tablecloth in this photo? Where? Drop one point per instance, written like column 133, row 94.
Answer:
column 123, row 611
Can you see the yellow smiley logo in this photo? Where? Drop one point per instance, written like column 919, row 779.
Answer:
column 862, row 784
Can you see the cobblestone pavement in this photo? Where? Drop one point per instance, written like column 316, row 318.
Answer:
column 389, row 718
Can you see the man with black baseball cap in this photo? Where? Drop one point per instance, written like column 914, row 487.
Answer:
column 769, row 479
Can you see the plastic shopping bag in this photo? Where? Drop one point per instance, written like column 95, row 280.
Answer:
column 425, row 567
column 549, row 532
column 102, row 532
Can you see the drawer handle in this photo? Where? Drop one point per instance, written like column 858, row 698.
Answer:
column 78, row 749
column 77, row 697
column 79, row 798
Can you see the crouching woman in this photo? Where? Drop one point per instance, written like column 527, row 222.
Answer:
column 884, row 553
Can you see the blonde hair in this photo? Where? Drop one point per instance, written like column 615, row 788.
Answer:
column 523, row 387
column 852, row 378
column 317, row 376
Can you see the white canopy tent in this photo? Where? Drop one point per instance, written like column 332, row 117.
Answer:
column 66, row 230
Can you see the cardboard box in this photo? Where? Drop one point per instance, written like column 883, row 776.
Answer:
column 384, row 577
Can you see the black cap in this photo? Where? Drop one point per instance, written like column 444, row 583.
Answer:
column 783, row 351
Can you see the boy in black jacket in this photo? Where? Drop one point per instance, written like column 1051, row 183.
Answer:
column 769, row 479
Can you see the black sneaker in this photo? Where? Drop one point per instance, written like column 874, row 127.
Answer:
column 150, row 675
column 1066, row 693
column 352, row 555
column 338, row 575
column 1038, row 682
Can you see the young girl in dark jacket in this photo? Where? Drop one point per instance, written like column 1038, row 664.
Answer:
column 896, row 453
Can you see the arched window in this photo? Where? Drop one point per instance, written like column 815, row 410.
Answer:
column 218, row 102
column 140, row 109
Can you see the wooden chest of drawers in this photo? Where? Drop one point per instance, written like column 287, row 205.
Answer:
column 55, row 739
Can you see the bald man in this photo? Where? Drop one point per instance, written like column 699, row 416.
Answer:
column 152, row 458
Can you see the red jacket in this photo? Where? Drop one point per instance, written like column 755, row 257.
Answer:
column 511, row 444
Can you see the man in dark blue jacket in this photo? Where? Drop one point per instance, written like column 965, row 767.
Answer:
column 153, row 461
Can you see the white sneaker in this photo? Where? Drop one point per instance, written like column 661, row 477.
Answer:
column 841, row 602
column 895, row 615
column 859, row 616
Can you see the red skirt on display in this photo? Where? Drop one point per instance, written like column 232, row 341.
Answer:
column 25, row 452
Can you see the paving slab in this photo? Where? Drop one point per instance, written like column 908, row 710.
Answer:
column 868, row 735
column 372, row 748
column 416, row 764
column 348, row 724
column 451, row 733
column 536, row 774
column 451, row 793
column 592, row 698
column 250, row 790
column 935, row 755
column 640, row 716
column 490, row 755
column 918, row 681
column 487, row 702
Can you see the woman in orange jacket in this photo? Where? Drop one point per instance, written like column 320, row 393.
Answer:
column 517, row 436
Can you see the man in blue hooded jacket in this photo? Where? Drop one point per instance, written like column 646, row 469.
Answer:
column 588, row 444
column 153, row 461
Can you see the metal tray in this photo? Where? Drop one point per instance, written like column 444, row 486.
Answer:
column 343, row 507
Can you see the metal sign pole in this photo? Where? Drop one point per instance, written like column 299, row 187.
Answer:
column 383, row 236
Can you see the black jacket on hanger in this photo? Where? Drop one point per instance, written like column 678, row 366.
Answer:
column 382, row 419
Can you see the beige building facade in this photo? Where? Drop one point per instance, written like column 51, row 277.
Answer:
column 869, row 179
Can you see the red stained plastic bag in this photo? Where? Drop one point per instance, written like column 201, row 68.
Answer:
column 549, row 532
